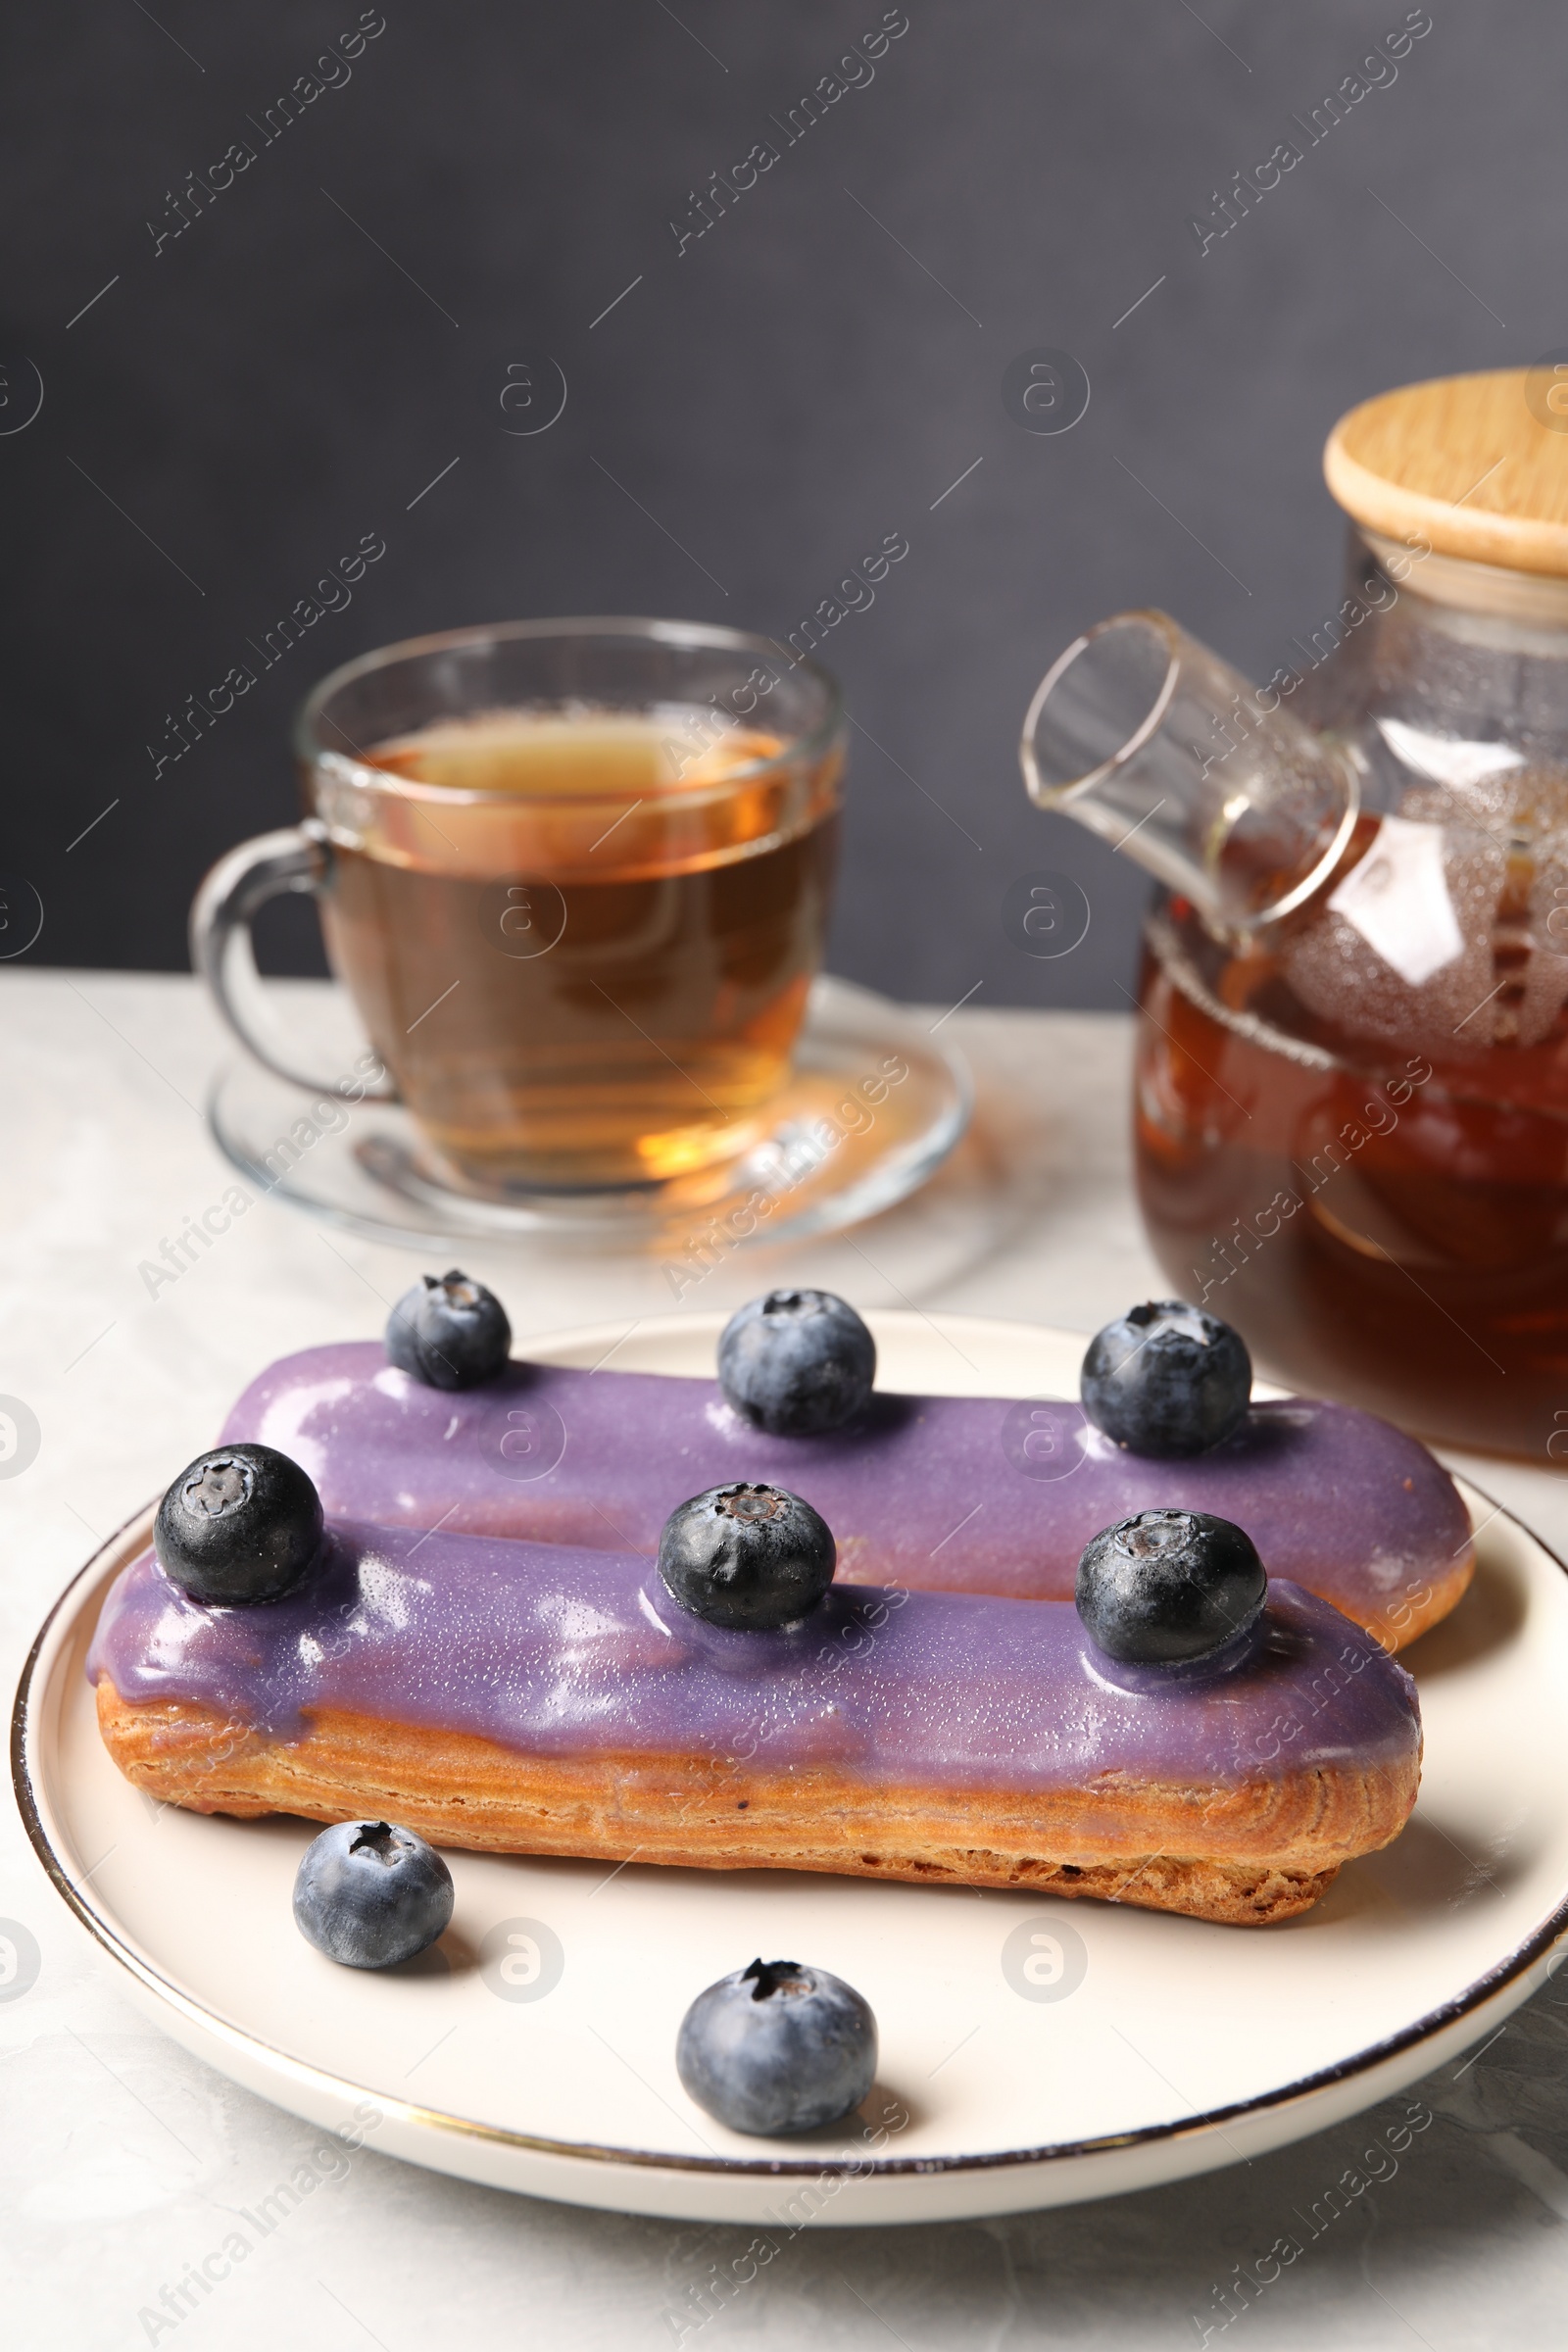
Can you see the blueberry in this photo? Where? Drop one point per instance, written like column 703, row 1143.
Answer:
column 1168, row 1585
column 242, row 1522
column 750, row 1558
column 369, row 1895
column 777, row 2047
column 449, row 1331
column 1166, row 1380
column 797, row 1362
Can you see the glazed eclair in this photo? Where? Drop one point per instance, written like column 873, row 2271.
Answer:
column 953, row 1493
column 550, row 1700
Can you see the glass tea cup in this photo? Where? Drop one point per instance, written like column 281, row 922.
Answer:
column 575, row 876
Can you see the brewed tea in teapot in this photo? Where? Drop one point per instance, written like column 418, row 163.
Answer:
column 1352, row 1092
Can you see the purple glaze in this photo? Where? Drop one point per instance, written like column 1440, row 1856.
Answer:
column 926, row 1491
column 547, row 1649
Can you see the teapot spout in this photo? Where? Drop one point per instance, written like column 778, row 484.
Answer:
column 1164, row 750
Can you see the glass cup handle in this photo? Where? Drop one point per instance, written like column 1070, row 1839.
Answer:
column 298, row 857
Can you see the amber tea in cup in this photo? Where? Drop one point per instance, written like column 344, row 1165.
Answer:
column 576, row 878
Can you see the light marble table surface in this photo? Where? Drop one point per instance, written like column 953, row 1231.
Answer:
column 124, row 2160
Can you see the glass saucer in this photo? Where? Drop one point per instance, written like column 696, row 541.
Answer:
column 873, row 1109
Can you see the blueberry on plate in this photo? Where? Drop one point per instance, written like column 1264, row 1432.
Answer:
column 449, row 1331
column 1166, row 1380
column 777, row 2047
column 1165, row 1586
column 797, row 1362
column 242, row 1522
column 369, row 1894
column 751, row 1558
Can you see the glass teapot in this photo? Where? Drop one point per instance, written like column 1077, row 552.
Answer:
column 1351, row 1091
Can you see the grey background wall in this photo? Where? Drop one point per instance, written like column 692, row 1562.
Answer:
column 237, row 385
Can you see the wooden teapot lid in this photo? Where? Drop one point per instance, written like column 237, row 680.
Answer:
column 1466, row 463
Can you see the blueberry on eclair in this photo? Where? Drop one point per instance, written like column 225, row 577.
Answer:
column 797, row 1362
column 240, row 1524
column 751, row 1558
column 1167, row 1586
column 449, row 1331
column 1168, row 1379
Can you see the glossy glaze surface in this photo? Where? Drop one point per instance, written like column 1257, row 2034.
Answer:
column 945, row 1493
column 549, row 1649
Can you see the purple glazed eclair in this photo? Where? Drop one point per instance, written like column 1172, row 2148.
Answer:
column 549, row 1699
column 954, row 1493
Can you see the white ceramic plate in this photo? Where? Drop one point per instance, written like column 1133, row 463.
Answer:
column 1182, row 2046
